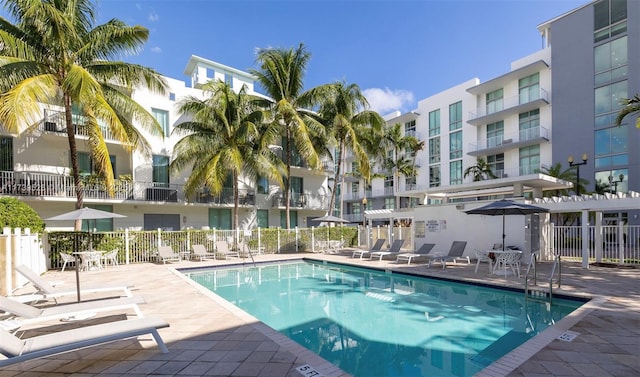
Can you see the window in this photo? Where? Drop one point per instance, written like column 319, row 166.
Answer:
column 610, row 60
column 612, row 147
column 389, row 203
column 220, row 218
column 529, row 159
column 86, row 165
column 410, row 128
column 6, row 154
column 602, row 180
column 434, row 150
column 410, row 183
column 495, row 134
column 434, row 176
column 210, row 73
column 297, row 185
column 496, row 164
column 388, row 181
column 293, row 218
column 262, row 185
column 172, row 96
column 160, row 174
column 100, row 225
column 609, row 19
column 529, row 125
column 162, row 117
column 494, row 101
column 455, row 116
column 455, row 172
column 455, row 145
column 434, row 123
column 355, row 189
column 228, row 79
column 529, row 88
column 262, row 218
column 607, row 103
column 355, row 208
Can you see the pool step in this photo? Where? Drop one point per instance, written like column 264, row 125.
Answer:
column 538, row 294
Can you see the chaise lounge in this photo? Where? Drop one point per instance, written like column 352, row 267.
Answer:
column 455, row 252
column 423, row 251
column 376, row 247
column 393, row 250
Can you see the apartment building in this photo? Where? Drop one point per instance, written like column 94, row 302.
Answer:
column 558, row 102
column 35, row 167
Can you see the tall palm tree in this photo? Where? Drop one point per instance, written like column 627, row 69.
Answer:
column 398, row 162
column 568, row 174
column 53, row 56
column 345, row 113
column 223, row 139
column 281, row 74
column 480, row 171
column 631, row 106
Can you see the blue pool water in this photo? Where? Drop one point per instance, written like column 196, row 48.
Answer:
column 376, row 323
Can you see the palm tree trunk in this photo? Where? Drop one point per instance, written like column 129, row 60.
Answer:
column 335, row 180
column 236, row 204
column 73, row 152
column 287, row 182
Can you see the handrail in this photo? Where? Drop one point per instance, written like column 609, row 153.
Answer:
column 556, row 263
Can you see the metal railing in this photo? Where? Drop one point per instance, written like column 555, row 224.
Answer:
column 618, row 243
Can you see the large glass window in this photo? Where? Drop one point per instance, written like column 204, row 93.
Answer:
column 99, row 225
column 610, row 61
column 162, row 117
column 293, row 218
column 434, row 150
column 86, row 165
column 6, row 154
column 389, row 203
column 529, row 125
column 410, row 128
column 455, row 172
column 262, row 218
column 609, row 18
column 160, row 174
column 262, row 185
column 496, row 164
column 434, row 176
column 529, row 159
column 455, row 116
column 529, row 88
column 495, row 101
column 610, row 180
column 607, row 103
column 220, row 218
column 434, row 123
column 455, row 145
column 495, row 134
column 612, row 147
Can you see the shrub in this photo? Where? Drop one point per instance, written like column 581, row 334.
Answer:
column 16, row 214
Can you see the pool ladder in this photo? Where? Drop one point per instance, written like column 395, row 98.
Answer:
column 533, row 291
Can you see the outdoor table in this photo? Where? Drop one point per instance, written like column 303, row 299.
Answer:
column 78, row 255
column 502, row 257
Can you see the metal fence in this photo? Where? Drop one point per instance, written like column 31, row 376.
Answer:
column 617, row 243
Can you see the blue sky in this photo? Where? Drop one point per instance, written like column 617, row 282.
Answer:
column 397, row 51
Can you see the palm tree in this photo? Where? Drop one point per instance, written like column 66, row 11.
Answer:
column 631, row 106
column 223, row 139
column 480, row 171
column 344, row 113
column 568, row 174
column 53, row 56
column 281, row 75
column 399, row 163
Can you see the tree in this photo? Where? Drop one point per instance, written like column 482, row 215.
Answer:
column 16, row 214
column 568, row 174
column 53, row 56
column 480, row 171
column 223, row 139
column 281, row 74
column 631, row 106
column 344, row 113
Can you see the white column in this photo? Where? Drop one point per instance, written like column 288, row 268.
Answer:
column 585, row 238
column 598, row 237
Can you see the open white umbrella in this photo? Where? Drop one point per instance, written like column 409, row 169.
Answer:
column 506, row 207
column 84, row 214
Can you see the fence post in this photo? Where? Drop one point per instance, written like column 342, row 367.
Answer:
column 296, row 237
column 621, row 241
column 313, row 242
column 126, row 247
column 159, row 238
column 259, row 239
column 597, row 239
column 585, row 238
column 278, row 243
column 8, row 263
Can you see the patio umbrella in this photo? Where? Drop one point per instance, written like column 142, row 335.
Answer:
column 506, row 207
column 330, row 219
column 84, row 214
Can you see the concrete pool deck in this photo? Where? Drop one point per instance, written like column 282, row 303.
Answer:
column 209, row 337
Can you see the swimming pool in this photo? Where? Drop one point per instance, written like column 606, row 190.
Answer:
column 376, row 323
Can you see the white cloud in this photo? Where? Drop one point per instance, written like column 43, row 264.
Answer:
column 153, row 17
column 156, row 49
column 386, row 100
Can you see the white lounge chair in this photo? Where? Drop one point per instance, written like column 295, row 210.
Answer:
column 423, row 251
column 200, row 252
column 47, row 290
column 166, row 254
column 376, row 247
column 17, row 350
column 223, row 251
column 455, row 252
column 393, row 250
column 67, row 259
column 27, row 314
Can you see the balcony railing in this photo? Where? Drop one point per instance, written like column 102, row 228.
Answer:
column 56, row 122
column 510, row 103
column 509, row 140
column 298, row 200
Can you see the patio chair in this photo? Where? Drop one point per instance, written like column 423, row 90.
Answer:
column 455, row 252
column 47, row 290
column 110, row 258
column 376, row 247
column 166, row 254
column 486, row 256
column 27, row 314
column 67, row 259
column 200, row 252
column 17, row 350
column 393, row 250
column 223, row 250
column 423, row 251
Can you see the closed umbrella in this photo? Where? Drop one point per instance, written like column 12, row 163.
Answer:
column 506, row 207
column 84, row 214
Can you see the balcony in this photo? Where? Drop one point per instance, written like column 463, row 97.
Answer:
column 225, row 197
column 55, row 123
column 501, row 143
column 510, row 105
column 300, row 201
column 353, row 217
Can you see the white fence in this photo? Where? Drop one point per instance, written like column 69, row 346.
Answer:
column 613, row 243
column 19, row 247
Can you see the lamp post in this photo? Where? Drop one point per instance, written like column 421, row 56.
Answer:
column 364, row 207
column 615, row 183
column 577, row 165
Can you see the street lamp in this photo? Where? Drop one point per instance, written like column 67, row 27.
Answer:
column 615, row 183
column 364, row 207
column 577, row 165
